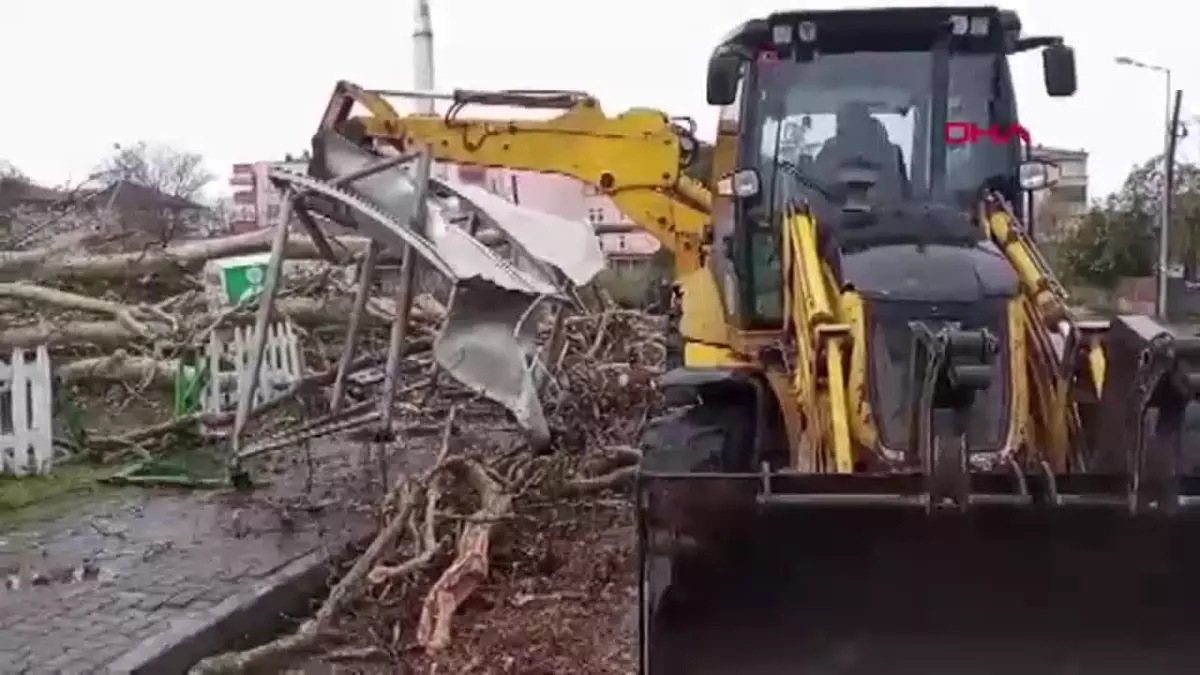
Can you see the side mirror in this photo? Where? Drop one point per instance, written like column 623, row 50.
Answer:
column 1035, row 175
column 1058, row 69
column 723, row 73
column 742, row 183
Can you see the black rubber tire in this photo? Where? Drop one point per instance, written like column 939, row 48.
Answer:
column 707, row 437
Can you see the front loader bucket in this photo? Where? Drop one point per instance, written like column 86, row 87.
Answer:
column 940, row 567
column 815, row 590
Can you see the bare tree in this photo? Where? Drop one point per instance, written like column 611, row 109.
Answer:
column 214, row 222
column 169, row 170
column 9, row 172
column 12, row 180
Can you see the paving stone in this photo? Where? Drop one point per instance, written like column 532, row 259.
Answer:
column 218, row 593
column 58, row 663
column 183, row 597
column 82, row 609
column 174, row 559
column 12, row 665
column 107, row 655
column 13, row 658
column 81, row 666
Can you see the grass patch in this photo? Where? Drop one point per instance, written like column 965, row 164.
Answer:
column 187, row 468
column 75, row 483
column 65, row 480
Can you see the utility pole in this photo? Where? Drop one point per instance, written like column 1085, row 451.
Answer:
column 1168, row 199
column 1164, row 229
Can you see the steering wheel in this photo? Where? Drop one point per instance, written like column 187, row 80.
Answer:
column 807, row 180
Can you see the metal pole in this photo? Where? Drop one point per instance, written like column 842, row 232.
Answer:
column 1170, row 96
column 248, row 384
column 404, row 298
column 366, row 277
column 1164, row 211
column 422, row 38
column 1168, row 197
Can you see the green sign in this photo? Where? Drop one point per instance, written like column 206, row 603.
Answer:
column 243, row 282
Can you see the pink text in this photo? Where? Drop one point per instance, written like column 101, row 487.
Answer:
column 965, row 133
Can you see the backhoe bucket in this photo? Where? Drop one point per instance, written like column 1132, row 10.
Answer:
column 940, row 567
column 874, row 591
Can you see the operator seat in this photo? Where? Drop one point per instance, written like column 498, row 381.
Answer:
column 862, row 140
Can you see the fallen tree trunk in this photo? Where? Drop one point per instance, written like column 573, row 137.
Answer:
column 57, row 262
column 119, row 367
column 46, row 264
column 303, row 311
column 103, row 334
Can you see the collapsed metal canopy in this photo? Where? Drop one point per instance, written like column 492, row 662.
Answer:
column 488, row 339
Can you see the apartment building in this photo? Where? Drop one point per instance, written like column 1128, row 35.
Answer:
column 1059, row 209
column 256, row 202
column 565, row 197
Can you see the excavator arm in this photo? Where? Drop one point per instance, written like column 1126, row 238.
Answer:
column 1097, row 395
column 1057, row 376
column 635, row 158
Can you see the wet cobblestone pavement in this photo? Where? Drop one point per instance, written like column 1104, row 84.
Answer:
column 93, row 584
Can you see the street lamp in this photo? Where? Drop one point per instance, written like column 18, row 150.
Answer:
column 1164, row 209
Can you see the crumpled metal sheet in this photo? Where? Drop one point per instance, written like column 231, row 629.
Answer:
column 568, row 245
column 393, row 190
column 488, row 339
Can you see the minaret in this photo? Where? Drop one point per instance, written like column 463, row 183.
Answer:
column 422, row 41
column 423, row 53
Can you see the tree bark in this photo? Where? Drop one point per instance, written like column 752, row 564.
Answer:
column 52, row 263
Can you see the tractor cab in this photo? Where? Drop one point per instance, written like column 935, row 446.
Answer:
column 923, row 98
column 888, row 123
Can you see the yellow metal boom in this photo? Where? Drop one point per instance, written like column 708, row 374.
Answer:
column 633, row 158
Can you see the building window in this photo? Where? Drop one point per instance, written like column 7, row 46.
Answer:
column 1073, row 170
column 1070, row 194
column 595, row 216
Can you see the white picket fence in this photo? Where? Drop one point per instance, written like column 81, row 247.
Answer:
column 229, row 363
column 27, row 394
column 26, row 412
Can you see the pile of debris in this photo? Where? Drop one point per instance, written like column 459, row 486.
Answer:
column 489, row 556
column 119, row 316
column 531, row 551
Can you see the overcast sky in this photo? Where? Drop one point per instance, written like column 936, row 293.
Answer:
column 240, row 80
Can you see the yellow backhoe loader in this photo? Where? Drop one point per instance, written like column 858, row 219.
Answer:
column 892, row 448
